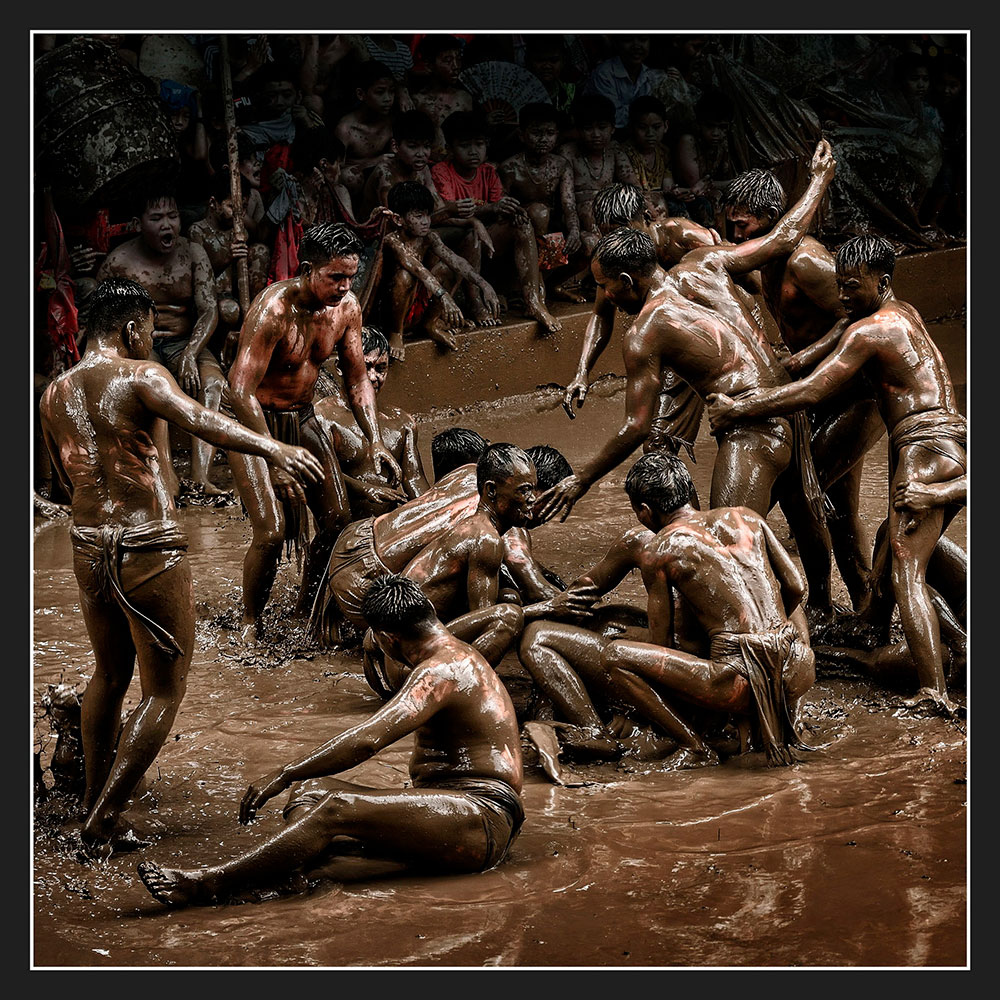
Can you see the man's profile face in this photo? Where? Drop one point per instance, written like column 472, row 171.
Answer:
column 514, row 497
column 447, row 66
column 377, row 367
column 858, row 291
column 742, row 224
column 160, row 225
column 331, row 281
column 621, row 289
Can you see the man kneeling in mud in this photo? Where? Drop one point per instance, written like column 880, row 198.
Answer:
column 461, row 815
column 739, row 596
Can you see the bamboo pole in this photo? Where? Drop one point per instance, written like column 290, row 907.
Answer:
column 239, row 225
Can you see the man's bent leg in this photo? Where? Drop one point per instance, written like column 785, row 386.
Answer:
column 428, row 827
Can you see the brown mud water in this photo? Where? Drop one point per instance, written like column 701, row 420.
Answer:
column 855, row 858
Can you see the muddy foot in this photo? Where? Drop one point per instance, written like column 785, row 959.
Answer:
column 543, row 736
column 568, row 294
column 442, row 337
column 172, row 886
column 687, row 758
column 932, row 702
column 397, row 351
column 548, row 321
column 483, row 317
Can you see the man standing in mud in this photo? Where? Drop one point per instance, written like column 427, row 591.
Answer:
column 886, row 338
column 291, row 329
column 99, row 420
column 464, row 808
column 692, row 320
column 800, row 290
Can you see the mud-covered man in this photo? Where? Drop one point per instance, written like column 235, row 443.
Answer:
column 293, row 327
column 464, row 808
column 99, row 420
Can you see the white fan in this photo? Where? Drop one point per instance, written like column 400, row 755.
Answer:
column 502, row 88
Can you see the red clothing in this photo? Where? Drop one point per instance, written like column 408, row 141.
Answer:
column 484, row 189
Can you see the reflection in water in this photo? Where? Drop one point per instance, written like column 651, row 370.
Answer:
column 856, row 857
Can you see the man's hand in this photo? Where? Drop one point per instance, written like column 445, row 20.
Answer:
column 491, row 301
column 286, row 487
column 916, row 497
column 577, row 389
column 84, row 258
column 187, row 374
column 567, row 606
column 823, row 164
column 484, row 237
column 450, row 313
column 239, row 249
column 463, row 208
column 259, row 792
column 573, row 242
column 564, row 494
column 510, row 207
column 379, row 493
column 385, row 465
column 721, row 410
column 298, row 462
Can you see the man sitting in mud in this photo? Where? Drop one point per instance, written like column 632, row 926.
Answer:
column 463, row 811
column 177, row 272
column 719, row 583
column 416, row 256
column 99, row 422
column 886, row 338
column 368, row 492
column 458, row 567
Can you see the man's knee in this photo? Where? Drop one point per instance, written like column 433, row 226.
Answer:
column 510, row 618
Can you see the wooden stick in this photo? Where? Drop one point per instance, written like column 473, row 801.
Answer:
column 239, row 225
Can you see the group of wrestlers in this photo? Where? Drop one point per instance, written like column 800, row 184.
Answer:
column 435, row 585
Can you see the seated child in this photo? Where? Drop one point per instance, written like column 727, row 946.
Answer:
column 369, row 493
column 416, row 257
column 542, row 182
column 597, row 160
column 215, row 233
column 440, row 92
column 647, row 124
column 366, row 132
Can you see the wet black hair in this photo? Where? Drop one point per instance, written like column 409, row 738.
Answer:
column 395, row 604
column 661, row 481
column 866, row 252
column 152, row 196
column 455, row 446
column 550, row 464
column 758, row 191
column 537, row 113
column 535, row 44
column 645, row 105
column 326, row 240
column 593, row 108
column 461, row 126
column 497, row 463
column 370, row 72
column 373, row 339
column 618, row 204
column 409, row 196
column 626, row 250
column 115, row 302
column 275, row 72
column 413, row 126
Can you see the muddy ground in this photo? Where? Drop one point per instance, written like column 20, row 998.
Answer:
column 856, row 858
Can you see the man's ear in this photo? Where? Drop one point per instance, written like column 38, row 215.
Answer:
column 883, row 283
column 491, row 489
column 627, row 279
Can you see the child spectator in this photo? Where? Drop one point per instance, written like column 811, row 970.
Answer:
column 597, row 160
column 441, row 93
column 625, row 76
column 702, row 165
column 542, row 182
column 416, row 257
column 409, row 159
column 366, row 132
column 647, row 125
column 545, row 56
column 395, row 54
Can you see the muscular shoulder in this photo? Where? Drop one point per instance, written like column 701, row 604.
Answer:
column 810, row 261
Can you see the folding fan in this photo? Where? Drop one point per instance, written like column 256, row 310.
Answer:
column 502, row 88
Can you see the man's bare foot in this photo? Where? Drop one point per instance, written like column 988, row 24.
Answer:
column 397, row 351
column 441, row 336
column 250, row 632
column 689, row 757
column 211, row 490
column 173, row 886
column 100, row 845
column 933, row 700
column 551, row 324
column 544, row 738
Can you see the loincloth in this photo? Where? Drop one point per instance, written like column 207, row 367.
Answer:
column 929, row 430
column 678, row 418
column 762, row 658
column 287, row 426
column 500, row 808
column 98, row 563
column 353, row 567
